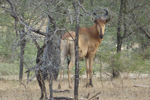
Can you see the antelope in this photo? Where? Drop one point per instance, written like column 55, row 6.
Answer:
column 88, row 42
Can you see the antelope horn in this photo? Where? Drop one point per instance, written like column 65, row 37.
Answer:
column 106, row 14
column 94, row 13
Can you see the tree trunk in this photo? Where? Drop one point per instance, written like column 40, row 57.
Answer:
column 91, row 2
column 119, row 38
column 51, row 84
column 76, row 83
column 115, row 72
column 76, row 65
column 52, row 55
column 22, row 47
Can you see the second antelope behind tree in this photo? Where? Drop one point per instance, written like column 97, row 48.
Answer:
column 89, row 41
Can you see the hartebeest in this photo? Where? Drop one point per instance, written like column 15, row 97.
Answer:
column 89, row 41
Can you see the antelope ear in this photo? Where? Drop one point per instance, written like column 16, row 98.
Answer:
column 108, row 19
column 94, row 20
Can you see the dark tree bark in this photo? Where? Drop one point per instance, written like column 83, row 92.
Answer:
column 91, row 2
column 48, row 56
column 76, row 83
column 120, row 19
column 52, row 62
column 76, row 64
column 124, row 18
column 22, row 49
column 40, row 73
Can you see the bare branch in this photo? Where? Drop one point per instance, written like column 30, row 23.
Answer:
column 52, row 20
column 36, row 44
column 139, row 6
column 16, row 17
column 87, row 96
column 144, row 86
column 55, row 33
column 57, row 4
column 83, row 8
column 139, row 27
column 70, row 35
column 6, row 9
column 64, row 91
column 16, row 27
column 34, row 11
column 145, row 32
column 36, row 66
column 29, row 80
column 63, row 98
column 94, row 95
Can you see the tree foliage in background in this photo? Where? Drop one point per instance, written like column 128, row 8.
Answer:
column 128, row 35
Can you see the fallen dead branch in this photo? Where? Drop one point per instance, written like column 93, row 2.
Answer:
column 63, row 98
column 141, row 86
column 94, row 95
column 87, row 96
column 64, row 91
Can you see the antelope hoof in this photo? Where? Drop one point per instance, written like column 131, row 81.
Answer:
column 59, row 87
column 41, row 98
column 89, row 85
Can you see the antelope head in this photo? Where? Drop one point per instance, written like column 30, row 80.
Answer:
column 100, row 22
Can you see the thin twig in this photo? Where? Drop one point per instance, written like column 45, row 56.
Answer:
column 34, row 11
column 83, row 8
column 139, row 6
column 63, row 91
column 144, row 86
column 70, row 35
column 29, row 80
column 16, row 27
column 36, row 66
column 16, row 17
column 87, row 96
column 63, row 98
column 94, row 95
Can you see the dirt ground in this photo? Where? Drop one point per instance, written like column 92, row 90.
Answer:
column 116, row 89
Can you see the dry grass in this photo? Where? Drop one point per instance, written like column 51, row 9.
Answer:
column 117, row 89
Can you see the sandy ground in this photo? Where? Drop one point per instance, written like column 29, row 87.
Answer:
column 122, row 88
